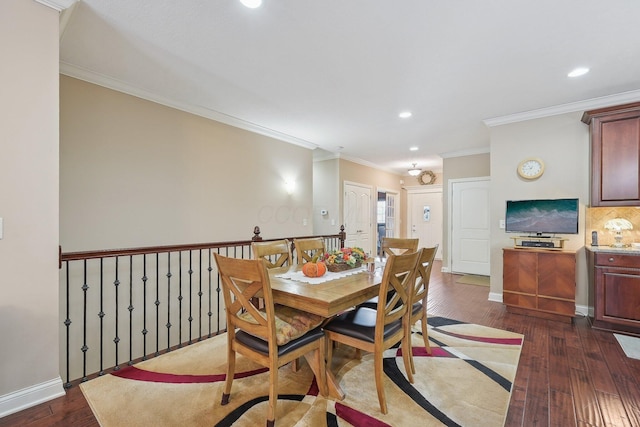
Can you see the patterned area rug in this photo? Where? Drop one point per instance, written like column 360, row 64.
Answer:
column 466, row 381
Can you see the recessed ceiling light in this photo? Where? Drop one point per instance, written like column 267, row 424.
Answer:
column 251, row 4
column 413, row 148
column 578, row 72
column 405, row 114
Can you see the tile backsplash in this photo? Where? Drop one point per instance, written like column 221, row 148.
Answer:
column 596, row 217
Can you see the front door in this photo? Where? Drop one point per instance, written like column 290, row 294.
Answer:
column 425, row 219
column 358, row 221
column 470, row 247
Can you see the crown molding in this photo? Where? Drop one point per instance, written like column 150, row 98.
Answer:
column 58, row 5
column 468, row 152
column 333, row 156
column 109, row 83
column 588, row 104
column 420, row 189
column 365, row 163
column 325, row 156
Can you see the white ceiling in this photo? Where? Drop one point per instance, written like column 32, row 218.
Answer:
column 334, row 74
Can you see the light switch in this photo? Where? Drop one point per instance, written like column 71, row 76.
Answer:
column 502, row 224
column 1, row 228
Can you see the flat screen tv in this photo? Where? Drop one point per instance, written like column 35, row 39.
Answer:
column 542, row 216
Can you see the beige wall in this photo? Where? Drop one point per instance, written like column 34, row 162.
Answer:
column 326, row 195
column 136, row 173
column 29, row 205
column 562, row 142
column 472, row 166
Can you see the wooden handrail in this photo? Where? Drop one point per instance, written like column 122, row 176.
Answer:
column 106, row 253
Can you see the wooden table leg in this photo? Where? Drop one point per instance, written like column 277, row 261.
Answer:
column 335, row 391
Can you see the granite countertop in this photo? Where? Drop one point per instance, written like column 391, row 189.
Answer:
column 629, row 250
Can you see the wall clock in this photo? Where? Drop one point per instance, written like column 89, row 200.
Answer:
column 426, row 178
column 531, row 168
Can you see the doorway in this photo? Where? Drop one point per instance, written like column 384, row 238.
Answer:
column 470, row 228
column 425, row 217
column 386, row 216
column 358, row 219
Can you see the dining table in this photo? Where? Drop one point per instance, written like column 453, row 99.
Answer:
column 328, row 296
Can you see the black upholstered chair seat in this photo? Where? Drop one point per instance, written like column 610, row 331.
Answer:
column 262, row 346
column 361, row 324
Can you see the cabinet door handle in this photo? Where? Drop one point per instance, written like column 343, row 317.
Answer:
column 611, row 259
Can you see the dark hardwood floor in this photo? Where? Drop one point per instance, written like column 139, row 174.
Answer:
column 569, row 374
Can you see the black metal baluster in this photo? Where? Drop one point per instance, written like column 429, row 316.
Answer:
column 190, row 296
column 219, row 290
column 180, row 297
column 85, row 288
column 101, row 316
column 200, row 293
column 144, row 307
column 130, row 308
column 168, row 302
column 67, row 323
column 116, row 340
column 210, row 269
column 157, row 303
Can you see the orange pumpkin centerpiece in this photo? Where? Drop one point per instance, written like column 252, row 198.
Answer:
column 314, row 268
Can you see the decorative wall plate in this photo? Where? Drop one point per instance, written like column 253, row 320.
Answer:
column 427, row 178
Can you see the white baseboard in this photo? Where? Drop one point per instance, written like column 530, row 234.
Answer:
column 495, row 296
column 27, row 397
column 584, row 310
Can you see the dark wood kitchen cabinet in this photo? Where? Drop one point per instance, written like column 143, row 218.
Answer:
column 540, row 283
column 615, row 155
column 614, row 289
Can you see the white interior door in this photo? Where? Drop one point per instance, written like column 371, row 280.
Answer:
column 358, row 221
column 470, row 225
column 390, row 217
column 425, row 219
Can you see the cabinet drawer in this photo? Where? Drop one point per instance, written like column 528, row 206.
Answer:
column 615, row 260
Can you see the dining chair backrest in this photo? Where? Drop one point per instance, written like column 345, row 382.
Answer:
column 396, row 288
column 423, row 274
column 396, row 246
column 419, row 294
column 306, row 249
column 276, row 253
column 243, row 280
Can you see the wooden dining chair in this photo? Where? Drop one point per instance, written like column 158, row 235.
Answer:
column 376, row 330
column 264, row 336
column 419, row 296
column 276, row 253
column 393, row 246
column 397, row 246
column 306, row 249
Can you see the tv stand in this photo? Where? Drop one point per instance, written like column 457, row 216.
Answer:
column 539, row 242
column 539, row 283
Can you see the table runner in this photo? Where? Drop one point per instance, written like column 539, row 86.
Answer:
column 298, row 276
